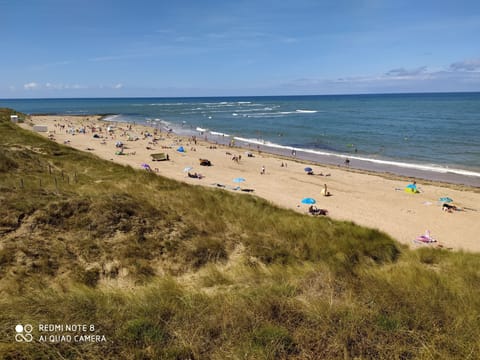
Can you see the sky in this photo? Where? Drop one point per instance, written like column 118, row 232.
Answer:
column 118, row 48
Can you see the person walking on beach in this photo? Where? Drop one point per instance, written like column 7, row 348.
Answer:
column 262, row 172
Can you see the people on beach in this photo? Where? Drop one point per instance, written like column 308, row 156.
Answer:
column 325, row 191
column 449, row 208
column 195, row 175
column 313, row 210
column 262, row 172
column 347, row 162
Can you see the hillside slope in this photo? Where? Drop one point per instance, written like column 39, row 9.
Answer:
column 168, row 270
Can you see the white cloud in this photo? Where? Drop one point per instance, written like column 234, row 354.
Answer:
column 458, row 76
column 54, row 86
column 60, row 86
column 466, row 65
column 30, row 86
column 402, row 72
column 118, row 86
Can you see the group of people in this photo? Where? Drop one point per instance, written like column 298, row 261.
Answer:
column 315, row 211
column 195, row 175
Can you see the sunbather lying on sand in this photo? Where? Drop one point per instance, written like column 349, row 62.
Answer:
column 195, row 176
column 450, row 208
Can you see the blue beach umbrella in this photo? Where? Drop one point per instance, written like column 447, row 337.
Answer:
column 181, row 149
column 308, row 169
column 308, row 201
column 411, row 186
column 238, row 180
column 446, row 199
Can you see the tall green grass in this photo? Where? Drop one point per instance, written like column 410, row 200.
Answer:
column 169, row 271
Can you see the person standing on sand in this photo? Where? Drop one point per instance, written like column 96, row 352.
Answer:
column 262, row 172
column 324, row 191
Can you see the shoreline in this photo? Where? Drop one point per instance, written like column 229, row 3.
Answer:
column 434, row 172
column 373, row 166
column 375, row 200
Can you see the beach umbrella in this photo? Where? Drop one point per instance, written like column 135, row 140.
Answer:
column 181, row 149
column 411, row 186
column 308, row 169
column 446, row 199
column 308, row 201
column 187, row 169
column 238, row 180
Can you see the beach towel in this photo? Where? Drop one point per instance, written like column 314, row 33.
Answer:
column 425, row 239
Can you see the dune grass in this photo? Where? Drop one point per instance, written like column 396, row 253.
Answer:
column 170, row 271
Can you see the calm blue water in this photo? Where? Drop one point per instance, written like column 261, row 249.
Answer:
column 433, row 130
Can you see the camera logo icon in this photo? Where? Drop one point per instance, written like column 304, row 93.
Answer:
column 24, row 333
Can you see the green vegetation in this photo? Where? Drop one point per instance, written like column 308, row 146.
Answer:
column 170, row 271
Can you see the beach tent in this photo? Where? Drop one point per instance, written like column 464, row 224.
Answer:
column 181, row 149
column 411, row 189
column 159, row 157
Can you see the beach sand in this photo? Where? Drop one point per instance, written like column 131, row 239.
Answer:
column 368, row 199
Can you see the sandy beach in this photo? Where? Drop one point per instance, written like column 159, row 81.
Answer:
column 365, row 198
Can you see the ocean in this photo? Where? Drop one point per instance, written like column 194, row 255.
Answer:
column 436, row 133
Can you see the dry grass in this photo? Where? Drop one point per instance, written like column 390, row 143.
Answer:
column 156, row 266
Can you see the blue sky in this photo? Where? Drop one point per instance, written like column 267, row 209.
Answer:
column 89, row 48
